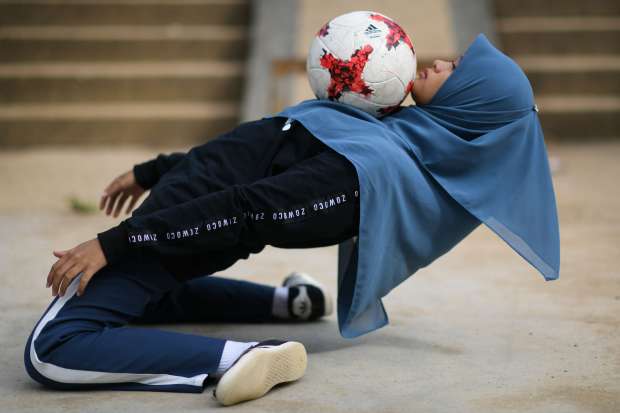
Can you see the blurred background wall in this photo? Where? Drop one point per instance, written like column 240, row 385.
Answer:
column 161, row 72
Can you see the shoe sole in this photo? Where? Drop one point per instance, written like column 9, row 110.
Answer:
column 297, row 278
column 259, row 370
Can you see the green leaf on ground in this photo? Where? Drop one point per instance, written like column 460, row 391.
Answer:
column 80, row 206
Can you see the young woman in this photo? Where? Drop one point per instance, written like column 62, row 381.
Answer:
column 405, row 189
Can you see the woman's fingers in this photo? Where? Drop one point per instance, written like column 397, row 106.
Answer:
column 48, row 280
column 55, row 281
column 109, row 193
column 59, row 253
column 55, row 267
column 88, row 274
column 119, row 204
column 63, row 282
column 104, row 197
column 50, row 275
column 68, row 277
column 102, row 200
column 59, row 269
column 111, row 202
column 109, row 190
column 132, row 202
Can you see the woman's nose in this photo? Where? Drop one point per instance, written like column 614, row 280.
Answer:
column 438, row 66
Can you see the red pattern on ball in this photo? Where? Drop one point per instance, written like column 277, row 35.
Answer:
column 396, row 33
column 347, row 74
column 323, row 31
column 409, row 87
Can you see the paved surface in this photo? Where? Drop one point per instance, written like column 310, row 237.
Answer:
column 477, row 331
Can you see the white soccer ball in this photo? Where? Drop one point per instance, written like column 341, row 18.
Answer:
column 364, row 59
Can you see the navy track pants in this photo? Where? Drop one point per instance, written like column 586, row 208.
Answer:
column 84, row 342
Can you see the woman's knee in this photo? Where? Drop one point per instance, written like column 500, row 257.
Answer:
column 45, row 353
column 59, row 345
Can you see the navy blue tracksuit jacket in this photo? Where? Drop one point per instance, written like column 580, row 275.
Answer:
column 266, row 182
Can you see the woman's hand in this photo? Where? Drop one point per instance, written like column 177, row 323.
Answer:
column 122, row 187
column 87, row 257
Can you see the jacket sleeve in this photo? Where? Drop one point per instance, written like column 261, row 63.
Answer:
column 314, row 203
column 148, row 173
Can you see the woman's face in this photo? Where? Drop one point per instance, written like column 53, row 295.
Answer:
column 430, row 79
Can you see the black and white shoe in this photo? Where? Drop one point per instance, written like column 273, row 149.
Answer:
column 259, row 369
column 307, row 299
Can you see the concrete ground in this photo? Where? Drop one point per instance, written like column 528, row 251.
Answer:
column 477, row 331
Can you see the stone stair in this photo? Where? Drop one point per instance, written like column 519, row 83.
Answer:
column 150, row 72
column 570, row 51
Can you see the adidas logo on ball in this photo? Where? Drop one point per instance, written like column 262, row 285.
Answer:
column 372, row 30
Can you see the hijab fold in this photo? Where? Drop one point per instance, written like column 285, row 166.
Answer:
column 429, row 175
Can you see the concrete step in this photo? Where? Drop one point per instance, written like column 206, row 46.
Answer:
column 121, row 43
column 572, row 74
column 560, row 35
column 130, row 12
column 526, row 8
column 121, row 82
column 557, row 24
column 579, row 117
column 94, row 124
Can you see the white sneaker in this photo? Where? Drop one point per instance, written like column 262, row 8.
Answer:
column 308, row 299
column 259, row 369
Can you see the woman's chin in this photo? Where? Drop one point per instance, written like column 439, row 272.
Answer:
column 419, row 100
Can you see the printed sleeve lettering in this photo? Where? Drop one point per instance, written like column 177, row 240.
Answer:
column 314, row 203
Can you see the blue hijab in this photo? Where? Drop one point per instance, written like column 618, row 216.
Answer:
column 429, row 175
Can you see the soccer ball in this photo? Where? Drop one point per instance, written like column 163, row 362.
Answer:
column 363, row 59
